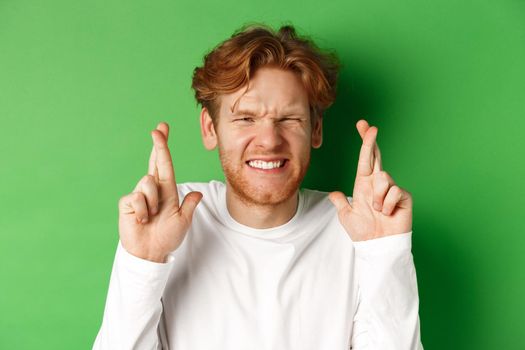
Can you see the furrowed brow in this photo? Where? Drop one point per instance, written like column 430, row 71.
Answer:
column 243, row 112
column 293, row 113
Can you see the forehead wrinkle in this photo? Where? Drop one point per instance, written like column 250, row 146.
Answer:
column 256, row 108
column 248, row 105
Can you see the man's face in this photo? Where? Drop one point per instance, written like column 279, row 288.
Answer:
column 264, row 142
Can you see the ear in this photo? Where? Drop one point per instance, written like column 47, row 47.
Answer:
column 209, row 137
column 317, row 132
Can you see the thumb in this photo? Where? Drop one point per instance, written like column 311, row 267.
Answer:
column 339, row 200
column 189, row 204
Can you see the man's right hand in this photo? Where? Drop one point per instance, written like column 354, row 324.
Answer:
column 151, row 222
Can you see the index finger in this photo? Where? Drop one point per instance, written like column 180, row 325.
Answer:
column 152, row 167
column 163, row 160
column 365, row 165
column 362, row 127
column 166, row 176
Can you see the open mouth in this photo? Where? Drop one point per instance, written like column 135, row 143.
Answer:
column 267, row 165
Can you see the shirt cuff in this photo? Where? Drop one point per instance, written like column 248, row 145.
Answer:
column 141, row 271
column 378, row 246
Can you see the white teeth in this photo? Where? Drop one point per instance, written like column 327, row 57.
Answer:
column 261, row 164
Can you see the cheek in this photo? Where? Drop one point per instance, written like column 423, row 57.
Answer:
column 299, row 141
column 233, row 143
column 299, row 131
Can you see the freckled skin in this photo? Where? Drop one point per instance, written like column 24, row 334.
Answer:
column 260, row 192
column 280, row 128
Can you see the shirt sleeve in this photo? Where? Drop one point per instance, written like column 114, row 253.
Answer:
column 133, row 304
column 388, row 303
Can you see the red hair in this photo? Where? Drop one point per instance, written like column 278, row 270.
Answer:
column 229, row 66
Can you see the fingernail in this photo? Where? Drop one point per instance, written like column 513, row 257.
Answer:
column 377, row 206
column 144, row 220
column 154, row 210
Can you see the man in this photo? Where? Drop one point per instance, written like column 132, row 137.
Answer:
column 256, row 263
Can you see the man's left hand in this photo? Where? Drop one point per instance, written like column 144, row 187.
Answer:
column 379, row 208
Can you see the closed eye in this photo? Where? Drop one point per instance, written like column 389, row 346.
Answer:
column 245, row 119
column 290, row 119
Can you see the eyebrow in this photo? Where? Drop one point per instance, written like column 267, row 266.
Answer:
column 245, row 112
column 253, row 114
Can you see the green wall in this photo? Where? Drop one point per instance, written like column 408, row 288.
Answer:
column 83, row 82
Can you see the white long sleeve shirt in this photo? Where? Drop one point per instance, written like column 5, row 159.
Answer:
column 302, row 285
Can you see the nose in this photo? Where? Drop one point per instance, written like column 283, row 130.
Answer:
column 268, row 135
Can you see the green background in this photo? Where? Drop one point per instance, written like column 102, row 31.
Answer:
column 83, row 82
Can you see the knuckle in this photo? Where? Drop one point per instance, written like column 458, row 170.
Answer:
column 149, row 188
column 137, row 197
column 126, row 198
column 380, row 181
column 385, row 176
column 381, row 175
column 399, row 193
column 122, row 200
column 148, row 179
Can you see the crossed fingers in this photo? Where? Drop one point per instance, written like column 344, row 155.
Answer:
column 386, row 194
column 160, row 169
column 369, row 156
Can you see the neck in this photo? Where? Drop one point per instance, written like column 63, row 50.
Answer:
column 260, row 216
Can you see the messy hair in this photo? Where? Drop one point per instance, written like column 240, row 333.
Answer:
column 231, row 64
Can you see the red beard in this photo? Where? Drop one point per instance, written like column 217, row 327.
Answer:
column 260, row 195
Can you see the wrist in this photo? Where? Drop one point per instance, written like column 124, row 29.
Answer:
column 149, row 256
column 160, row 259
